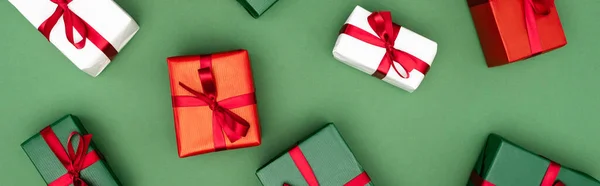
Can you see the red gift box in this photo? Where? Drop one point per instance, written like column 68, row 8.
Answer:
column 513, row 30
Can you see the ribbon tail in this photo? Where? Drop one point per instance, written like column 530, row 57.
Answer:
column 234, row 126
column 81, row 27
column 218, row 138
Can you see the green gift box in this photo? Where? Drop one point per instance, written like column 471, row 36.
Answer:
column 322, row 159
column 502, row 163
column 257, row 7
column 64, row 155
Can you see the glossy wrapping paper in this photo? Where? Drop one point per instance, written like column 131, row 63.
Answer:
column 502, row 163
column 326, row 153
column 257, row 7
column 51, row 168
column 194, row 124
column 503, row 32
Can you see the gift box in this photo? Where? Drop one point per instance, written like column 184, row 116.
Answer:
column 372, row 43
column 513, row 30
column 64, row 154
column 502, row 163
column 322, row 159
column 257, row 7
column 213, row 102
column 89, row 32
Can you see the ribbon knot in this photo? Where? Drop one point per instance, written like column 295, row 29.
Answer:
column 213, row 104
column 77, row 181
column 389, row 46
column 63, row 5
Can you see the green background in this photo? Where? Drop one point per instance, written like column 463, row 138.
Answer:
column 547, row 104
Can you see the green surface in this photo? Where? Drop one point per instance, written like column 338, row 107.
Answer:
column 328, row 155
column 504, row 163
column 50, row 167
column 431, row 137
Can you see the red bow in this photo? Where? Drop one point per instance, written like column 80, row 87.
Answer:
column 72, row 21
column 73, row 160
column 533, row 8
column 387, row 32
column 234, row 126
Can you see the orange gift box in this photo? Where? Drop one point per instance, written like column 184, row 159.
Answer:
column 509, row 33
column 213, row 102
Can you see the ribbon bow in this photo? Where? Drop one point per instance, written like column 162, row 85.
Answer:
column 533, row 8
column 234, row 126
column 73, row 160
column 75, row 165
column 387, row 32
column 72, row 21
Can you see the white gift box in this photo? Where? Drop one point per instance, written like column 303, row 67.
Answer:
column 105, row 16
column 367, row 57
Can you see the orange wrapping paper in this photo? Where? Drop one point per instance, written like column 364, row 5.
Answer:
column 193, row 125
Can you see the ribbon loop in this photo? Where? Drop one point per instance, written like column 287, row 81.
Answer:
column 77, row 157
column 71, row 20
column 74, row 22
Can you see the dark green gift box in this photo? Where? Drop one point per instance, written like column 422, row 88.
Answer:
column 502, row 163
column 49, row 166
column 327, row 155
column 257, row 7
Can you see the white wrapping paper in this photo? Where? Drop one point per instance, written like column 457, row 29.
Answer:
column 105, row 16
column 367, row 57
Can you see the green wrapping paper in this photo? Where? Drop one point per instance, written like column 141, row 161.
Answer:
column 49, row 166
column 328, row 155
column 503, row 163
column 257, row 7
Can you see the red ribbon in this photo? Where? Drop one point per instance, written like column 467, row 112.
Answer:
column 533, row 8
column 387, row 32
column 72, row 21
column 548, row 180
column 224, row 120
column 73, row 160
column 308, row 174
